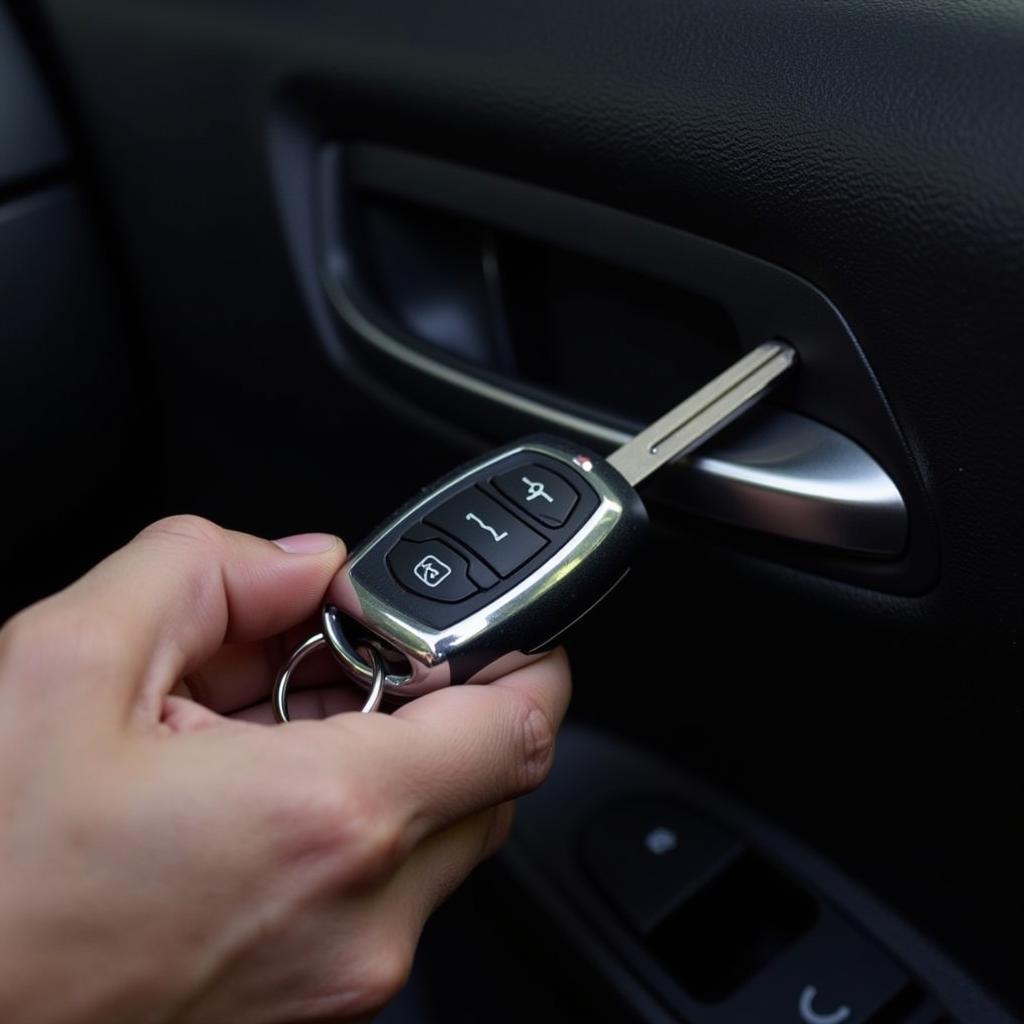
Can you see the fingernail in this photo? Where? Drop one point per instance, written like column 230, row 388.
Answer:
column 307, row 543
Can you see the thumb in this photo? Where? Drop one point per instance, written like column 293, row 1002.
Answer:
column 166, row 602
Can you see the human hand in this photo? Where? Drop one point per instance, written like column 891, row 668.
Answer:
column 161, row 861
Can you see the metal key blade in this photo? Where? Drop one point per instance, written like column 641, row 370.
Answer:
column 704, row 413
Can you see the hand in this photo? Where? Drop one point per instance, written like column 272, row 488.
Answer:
column 161, row 861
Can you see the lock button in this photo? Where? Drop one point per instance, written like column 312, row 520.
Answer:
column 431, row 569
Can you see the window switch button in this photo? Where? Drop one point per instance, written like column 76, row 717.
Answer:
column 833, row 975
column 649, row 855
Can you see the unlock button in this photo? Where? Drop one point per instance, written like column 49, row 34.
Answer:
column 480, row 523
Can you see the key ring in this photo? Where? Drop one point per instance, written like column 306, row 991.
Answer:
column 343, row 650
column 376, row 669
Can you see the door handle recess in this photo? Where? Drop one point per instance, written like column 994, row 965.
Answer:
column 777, row 472
column 795, row 473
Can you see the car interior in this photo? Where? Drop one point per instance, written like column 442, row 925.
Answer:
column 284, row 264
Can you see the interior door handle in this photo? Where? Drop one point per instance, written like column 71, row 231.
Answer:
column 778, row 472
column 787, row 475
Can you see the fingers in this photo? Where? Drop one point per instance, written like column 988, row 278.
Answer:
column 388, row 813
column 487, row 744
column 316, row 703
column 432, row 872
column 241, row 675
column 165, row 603
column 347, row 954
column 390, row 916
column 443, row 861
column 446, row 755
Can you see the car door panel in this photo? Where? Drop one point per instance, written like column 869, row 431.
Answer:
column 869, row 150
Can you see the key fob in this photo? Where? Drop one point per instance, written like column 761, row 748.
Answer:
column 483, row 571
column 487, row 568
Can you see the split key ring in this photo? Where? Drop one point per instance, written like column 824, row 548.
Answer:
column 314, row 643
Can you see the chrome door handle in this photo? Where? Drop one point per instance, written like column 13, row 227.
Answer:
column 779, row 472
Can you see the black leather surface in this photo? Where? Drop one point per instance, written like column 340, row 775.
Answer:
column 872, row 146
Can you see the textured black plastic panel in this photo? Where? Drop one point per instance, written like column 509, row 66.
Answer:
column 873, row 148
column 833, row 385
column 69, row 447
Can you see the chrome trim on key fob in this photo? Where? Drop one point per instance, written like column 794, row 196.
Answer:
column 429, row 650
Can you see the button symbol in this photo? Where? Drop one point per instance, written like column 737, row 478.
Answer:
column 661, row 840
column 812, row 1016
column 535, row 489
column 472, row 517
column 432, row 571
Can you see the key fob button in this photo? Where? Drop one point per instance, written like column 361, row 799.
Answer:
column 480, row 523
column 431, row 569
column 539, row 493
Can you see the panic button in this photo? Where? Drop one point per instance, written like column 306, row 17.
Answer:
column 539, row 493
column 500, row 539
